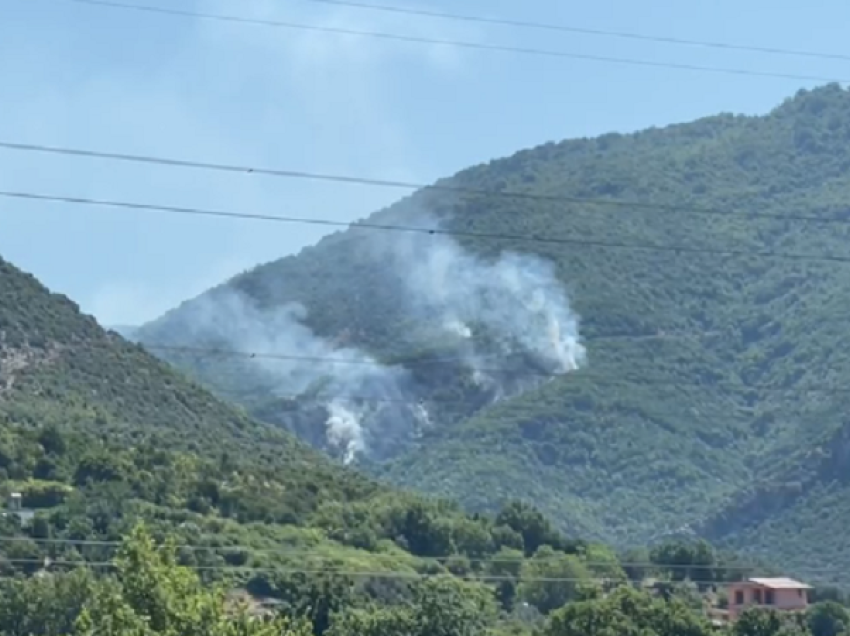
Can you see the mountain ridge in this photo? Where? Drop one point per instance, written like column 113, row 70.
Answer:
column 597, row 450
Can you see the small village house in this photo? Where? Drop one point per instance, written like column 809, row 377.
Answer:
column 14, row 506
column 14, row 503
column 781, row 593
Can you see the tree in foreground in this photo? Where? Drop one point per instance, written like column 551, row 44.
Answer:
column 152, row 594
column 441, row 607
column 627, row 612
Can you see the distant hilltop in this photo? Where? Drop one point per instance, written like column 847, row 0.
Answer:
column 126, row 331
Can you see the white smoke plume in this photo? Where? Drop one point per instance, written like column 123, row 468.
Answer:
column 344, row 430
column 298, row 360
column 516, row 299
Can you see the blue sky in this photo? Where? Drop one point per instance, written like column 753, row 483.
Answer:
column 114, row 80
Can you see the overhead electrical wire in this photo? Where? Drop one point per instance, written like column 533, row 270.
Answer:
column 436, row 361
column 330, row 570
column 581, row 30
column 405, row 185
column 496, row 371
column 321, row 360
column 427, row 559
column 454, row 43
column 575, row 242
column 379, row 574
column 300, row 552
column 605, row 380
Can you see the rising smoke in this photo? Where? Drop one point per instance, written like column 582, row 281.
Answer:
column 515, row 299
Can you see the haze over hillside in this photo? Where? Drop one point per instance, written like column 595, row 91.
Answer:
column 503, row 325
column 629, row 392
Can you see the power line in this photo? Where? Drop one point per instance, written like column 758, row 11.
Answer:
column 575, row 242
column 578, row 374
column 494, row 371
column 405, row 185
column 431, row 360
column 447, row 560
column 322, row 359
column 456, row 43
column 300, row 552
column 380, row 574
column 583, row 30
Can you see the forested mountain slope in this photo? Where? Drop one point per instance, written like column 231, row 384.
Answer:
column 797, row 510
column 97, row 436
column 60, row 370
column 704, row 365
column 59, row 367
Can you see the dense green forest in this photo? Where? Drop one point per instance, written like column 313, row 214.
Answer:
column 148, row 506
column 148, row 592
column 305, row 548
column 713, row 400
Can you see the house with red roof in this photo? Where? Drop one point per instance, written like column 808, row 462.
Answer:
column 779, row 593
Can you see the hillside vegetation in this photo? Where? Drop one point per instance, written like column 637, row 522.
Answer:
column 710, row 370
column 59, row 367
column 148, row 506
column 121, row 533
column 151, row 593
